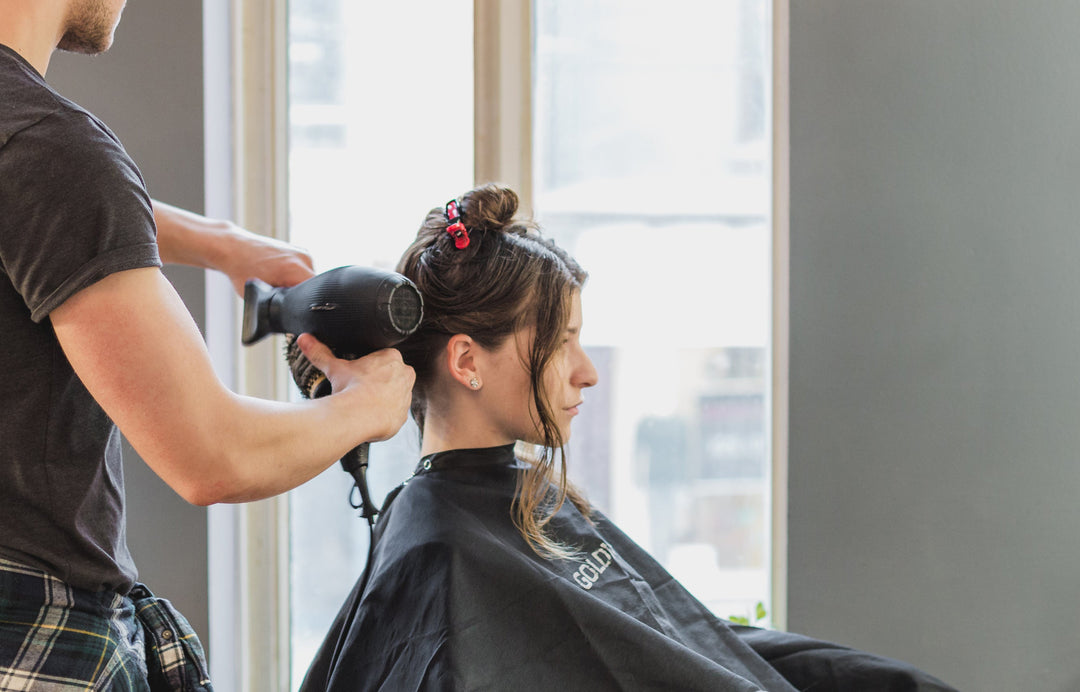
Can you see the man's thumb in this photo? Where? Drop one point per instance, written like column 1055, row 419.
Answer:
column 315, row 351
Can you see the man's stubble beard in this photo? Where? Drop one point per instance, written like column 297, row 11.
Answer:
column 90, row 28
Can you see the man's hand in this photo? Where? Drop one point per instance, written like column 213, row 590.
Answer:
column 381, row 379
column 188, row 238
column 254, row 256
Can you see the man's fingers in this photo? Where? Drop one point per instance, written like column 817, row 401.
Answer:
column 288, row 269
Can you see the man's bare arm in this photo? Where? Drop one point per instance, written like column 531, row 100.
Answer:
column 137, row 350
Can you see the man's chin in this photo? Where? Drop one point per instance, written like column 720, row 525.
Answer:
column 83, row 45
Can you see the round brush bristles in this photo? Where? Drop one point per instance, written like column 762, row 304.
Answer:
column 311, row 381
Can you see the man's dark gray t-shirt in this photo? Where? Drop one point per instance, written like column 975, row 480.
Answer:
column 73, row 209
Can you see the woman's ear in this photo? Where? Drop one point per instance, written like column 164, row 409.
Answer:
column 461, row 360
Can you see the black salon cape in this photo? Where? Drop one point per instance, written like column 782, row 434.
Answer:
column 456, row 600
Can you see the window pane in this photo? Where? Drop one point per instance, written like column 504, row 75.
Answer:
column 652, row 166
column 381, row 130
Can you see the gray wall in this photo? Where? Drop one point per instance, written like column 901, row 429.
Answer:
column 148, row 88
column 935, row 335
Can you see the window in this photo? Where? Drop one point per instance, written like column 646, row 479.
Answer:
column 652, row 166
column 651, row 163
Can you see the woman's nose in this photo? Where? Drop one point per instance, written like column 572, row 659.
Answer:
column 585, row 372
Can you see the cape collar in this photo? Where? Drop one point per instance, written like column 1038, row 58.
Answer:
column 467, row 458
column 480, row 458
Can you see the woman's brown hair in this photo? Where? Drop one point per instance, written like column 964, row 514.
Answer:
column 508, row 276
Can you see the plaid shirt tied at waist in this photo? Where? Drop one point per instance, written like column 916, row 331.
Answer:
column 57, row 638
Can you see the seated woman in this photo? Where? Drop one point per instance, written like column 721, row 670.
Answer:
column 489, row 571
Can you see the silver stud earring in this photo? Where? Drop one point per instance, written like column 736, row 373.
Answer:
column 474, row 383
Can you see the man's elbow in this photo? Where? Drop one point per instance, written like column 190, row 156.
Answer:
column 217, row 482
column 204, row 494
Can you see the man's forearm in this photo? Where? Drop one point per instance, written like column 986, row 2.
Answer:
column 188, row 238
column 138, row 352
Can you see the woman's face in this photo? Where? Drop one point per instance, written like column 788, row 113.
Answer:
column 506, row 385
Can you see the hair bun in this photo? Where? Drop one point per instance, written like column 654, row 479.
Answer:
column 489, row 207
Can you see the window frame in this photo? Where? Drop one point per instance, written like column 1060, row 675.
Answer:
column 779, row 342
column 246, row 117
column 247, row 180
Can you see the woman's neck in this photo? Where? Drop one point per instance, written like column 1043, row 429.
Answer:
column 442, row 433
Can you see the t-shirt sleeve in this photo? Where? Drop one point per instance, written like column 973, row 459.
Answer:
column 78, row 210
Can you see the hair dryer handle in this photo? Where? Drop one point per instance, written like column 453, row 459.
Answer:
column 355, row 463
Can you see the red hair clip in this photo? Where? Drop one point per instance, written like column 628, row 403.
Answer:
column 456, row 228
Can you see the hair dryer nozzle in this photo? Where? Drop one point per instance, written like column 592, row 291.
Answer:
column 256, row 324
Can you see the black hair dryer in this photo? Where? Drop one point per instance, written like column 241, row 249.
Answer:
column 354, row 310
